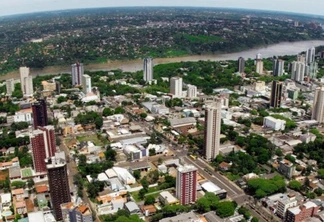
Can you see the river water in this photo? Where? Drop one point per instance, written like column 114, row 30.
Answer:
column 284, row 48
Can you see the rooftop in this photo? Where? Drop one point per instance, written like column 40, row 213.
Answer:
column 187, row 168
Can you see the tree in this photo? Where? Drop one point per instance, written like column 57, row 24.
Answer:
column 119, row 110
column 107, row 112
column 318, row 191
column 225, row 209
column 202, row 205
column 98, row 122
column 153, row 176
column 137, row 174
column 110, row 154
column 152, row 152
column 18, row 184
column 143, row 115
column 245, row 212
column 61, row 99
column 144, row 183
column 141, row 193
column 255, row 219
column 148, row 200
column 295, row 185
column 320, row 173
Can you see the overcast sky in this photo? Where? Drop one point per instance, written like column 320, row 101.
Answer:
column 8, row 7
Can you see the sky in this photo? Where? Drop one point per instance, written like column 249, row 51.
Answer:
column 9, row 7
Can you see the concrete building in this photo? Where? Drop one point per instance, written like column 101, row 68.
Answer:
column 278, row 67
column 273, row 123
column 191, row 91
column 286, row 168
column 241, row 65
column 148, row 69
column 259, row 86
column 183, row 217
column 43, row 146
column 284, row 205
column 212, row 129
column 301, row 213
column 49, row 85
column 259, row 66
column 10, row 86
column 301, row 58
column 276, row 94
column 167, row 198
column 318, row 105
column 26, row 81
column 39, row 109
column 77, row 73
column 310, row 55
column 293, row 94
column 298, row 71
column 59, row 185
column 176, row 87
column 186, row 184
column 313, row 68
column 86, row 84
column 23, row 116
column 76, row 213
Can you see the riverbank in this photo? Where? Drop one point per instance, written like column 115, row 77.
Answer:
column 280, row 49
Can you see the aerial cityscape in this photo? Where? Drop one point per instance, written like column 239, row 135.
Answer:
column 162, row 114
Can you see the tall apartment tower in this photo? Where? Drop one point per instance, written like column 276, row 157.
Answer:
column 276, row 94
column 77, row 73
column 212, row 129
column 43, row 146
column 148, row 69
column 241, row 64
column 26, row 82
column 186, row 184
column 310, row 55
column 318, row 105
column 191, row 91
column 176, row 87
column 298, row 71
column 278, row 67
column 10, row 86
column 259, row 66
column 86, row 84
column 58, row 184
column 24, row 72
column 39, row 109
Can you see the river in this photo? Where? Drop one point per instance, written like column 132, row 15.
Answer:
column 280, row 49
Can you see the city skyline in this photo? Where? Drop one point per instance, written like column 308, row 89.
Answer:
column 298, row 6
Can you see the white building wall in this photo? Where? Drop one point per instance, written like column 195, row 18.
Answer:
column 275, row 124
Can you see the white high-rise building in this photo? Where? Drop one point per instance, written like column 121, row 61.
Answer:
column 212, row 129
column 278, row 67
column 148, row 69
column 313, row 67
column 310, row 55
column 77, row 73
column 176, row 87
column 191, row 91
column 301, row 58
column 298, row 71
column 24, row 73
column 259, row 66
column 28, row 86
column 318, row 105
column 258, row 56
column 86, row 84
column 10, row 86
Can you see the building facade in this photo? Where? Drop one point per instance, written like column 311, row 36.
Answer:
column 318, row 105
column 259, row 66
column 186, row 184
column 191, row 91
column 77, row 73
column 76, row 213
column 212, row 129
column 276, row 94
column 86, row 84
column 278, row 67
column 298, row 71
column 241, row 65
column 40, row 113
column 43, row 146
column 10, row 86
column 176, row 87
column 310, row 55
column 301, row 213
column 148, row 69
column 58, row 184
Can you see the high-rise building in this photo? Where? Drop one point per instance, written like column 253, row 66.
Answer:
column 259, row 66
column 148, row 69
column 258, row 56
column 318, row 105
column 24, row 72
column 276, row 94
column 58, row 184
column 77, row 72
column 40, row 113
column 301, row 58
column 313, row 67
column 176, row 87
column 241, row 64
column 26, row 82
column 310, row 55
column 86, row 84
column 76, row 213
column 298, row 71
column 191, row 91
column 186, row 184
column 212, row 129
column 43, row 146
column 58, row 87
column 10, row 86
column 278, row 67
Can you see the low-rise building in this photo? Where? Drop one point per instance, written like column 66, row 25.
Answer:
column 167, row 198
column 284, row 204
column 286, row 168
column 75, row 213
column 300, row 213
column 273, row 123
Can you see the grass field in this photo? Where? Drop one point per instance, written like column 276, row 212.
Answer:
column 151, row 192
column 93, row 138
column 202, row 38
column 27, row 172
